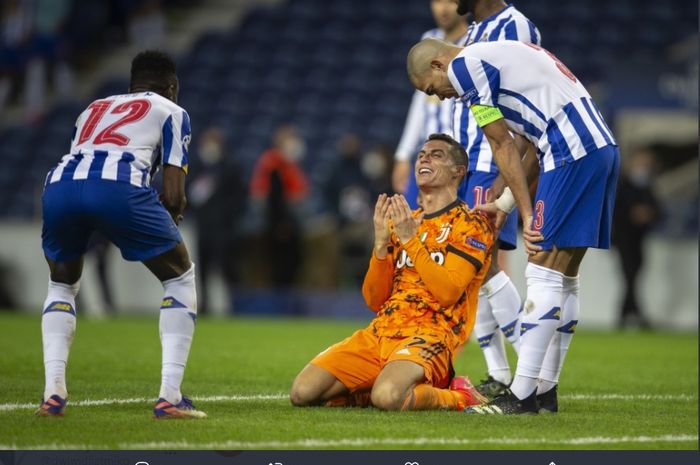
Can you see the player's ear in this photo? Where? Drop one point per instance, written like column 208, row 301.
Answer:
column 172, row 92
column 458, row 171
column 437, row 65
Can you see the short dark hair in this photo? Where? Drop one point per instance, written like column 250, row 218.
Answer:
column 456, row 151
column 154, row 69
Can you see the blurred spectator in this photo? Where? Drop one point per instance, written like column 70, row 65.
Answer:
column 348, row 190
column 217, row 198
column 146, row 27
column 8, row 284
column 15, row 33
column 48, row 59
column 41, row 41
column 636, row 212
column 350, row 193
column 278, row 189
column 377, row 167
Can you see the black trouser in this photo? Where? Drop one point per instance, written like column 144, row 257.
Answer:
column 631, row 256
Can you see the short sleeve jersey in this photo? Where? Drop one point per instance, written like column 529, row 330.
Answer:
column 126, row 138
column 536, row 94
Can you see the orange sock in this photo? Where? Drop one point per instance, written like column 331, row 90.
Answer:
column 427, row 397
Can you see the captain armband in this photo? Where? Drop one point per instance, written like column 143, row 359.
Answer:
column 484, row 114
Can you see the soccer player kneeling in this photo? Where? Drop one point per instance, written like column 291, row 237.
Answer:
column 423, row 282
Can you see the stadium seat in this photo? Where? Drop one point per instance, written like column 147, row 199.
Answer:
column 333, row 67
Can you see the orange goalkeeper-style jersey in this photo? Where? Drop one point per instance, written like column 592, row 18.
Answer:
column 430, row 285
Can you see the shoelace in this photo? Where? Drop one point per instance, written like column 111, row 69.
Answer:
column 186, row 403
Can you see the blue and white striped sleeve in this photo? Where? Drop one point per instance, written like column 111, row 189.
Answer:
column 476, row 81
column 176, row 136
column 522, row 29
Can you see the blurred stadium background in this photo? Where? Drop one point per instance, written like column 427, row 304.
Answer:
column 336, row 71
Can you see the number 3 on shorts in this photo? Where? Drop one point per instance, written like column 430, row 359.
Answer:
column 538, row 221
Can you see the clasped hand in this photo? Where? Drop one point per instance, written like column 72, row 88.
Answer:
column 396, row 209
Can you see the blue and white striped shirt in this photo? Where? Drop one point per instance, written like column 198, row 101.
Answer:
column 538, row 96
column 126, row 138
column 507, row 24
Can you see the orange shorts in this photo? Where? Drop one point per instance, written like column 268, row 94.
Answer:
column 357, row 360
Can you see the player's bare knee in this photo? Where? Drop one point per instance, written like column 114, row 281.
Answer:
column 171, row 264
column 66, row 272
column 388, row 396
column 303, row 394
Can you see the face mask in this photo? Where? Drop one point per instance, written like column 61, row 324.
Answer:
column 640, row 177
column 294, row 149
column 373, row 165
column 210, row 153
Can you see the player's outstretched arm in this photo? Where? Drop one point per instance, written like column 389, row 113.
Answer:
column 173, row 195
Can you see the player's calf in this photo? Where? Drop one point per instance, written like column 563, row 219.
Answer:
column 178, row 315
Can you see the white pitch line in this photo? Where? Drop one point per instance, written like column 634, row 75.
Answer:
column 422, row 441
column 628, row 397
column 140, row 400
column 283, row 396
column 313, row 443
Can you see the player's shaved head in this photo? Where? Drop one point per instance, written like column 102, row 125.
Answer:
column 153, row 70
column 422, row 54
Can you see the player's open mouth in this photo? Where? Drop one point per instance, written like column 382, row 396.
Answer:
column 425, row 171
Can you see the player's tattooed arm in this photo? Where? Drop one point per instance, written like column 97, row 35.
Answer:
column 173, row 195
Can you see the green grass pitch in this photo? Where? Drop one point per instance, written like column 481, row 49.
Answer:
column 618, row 391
